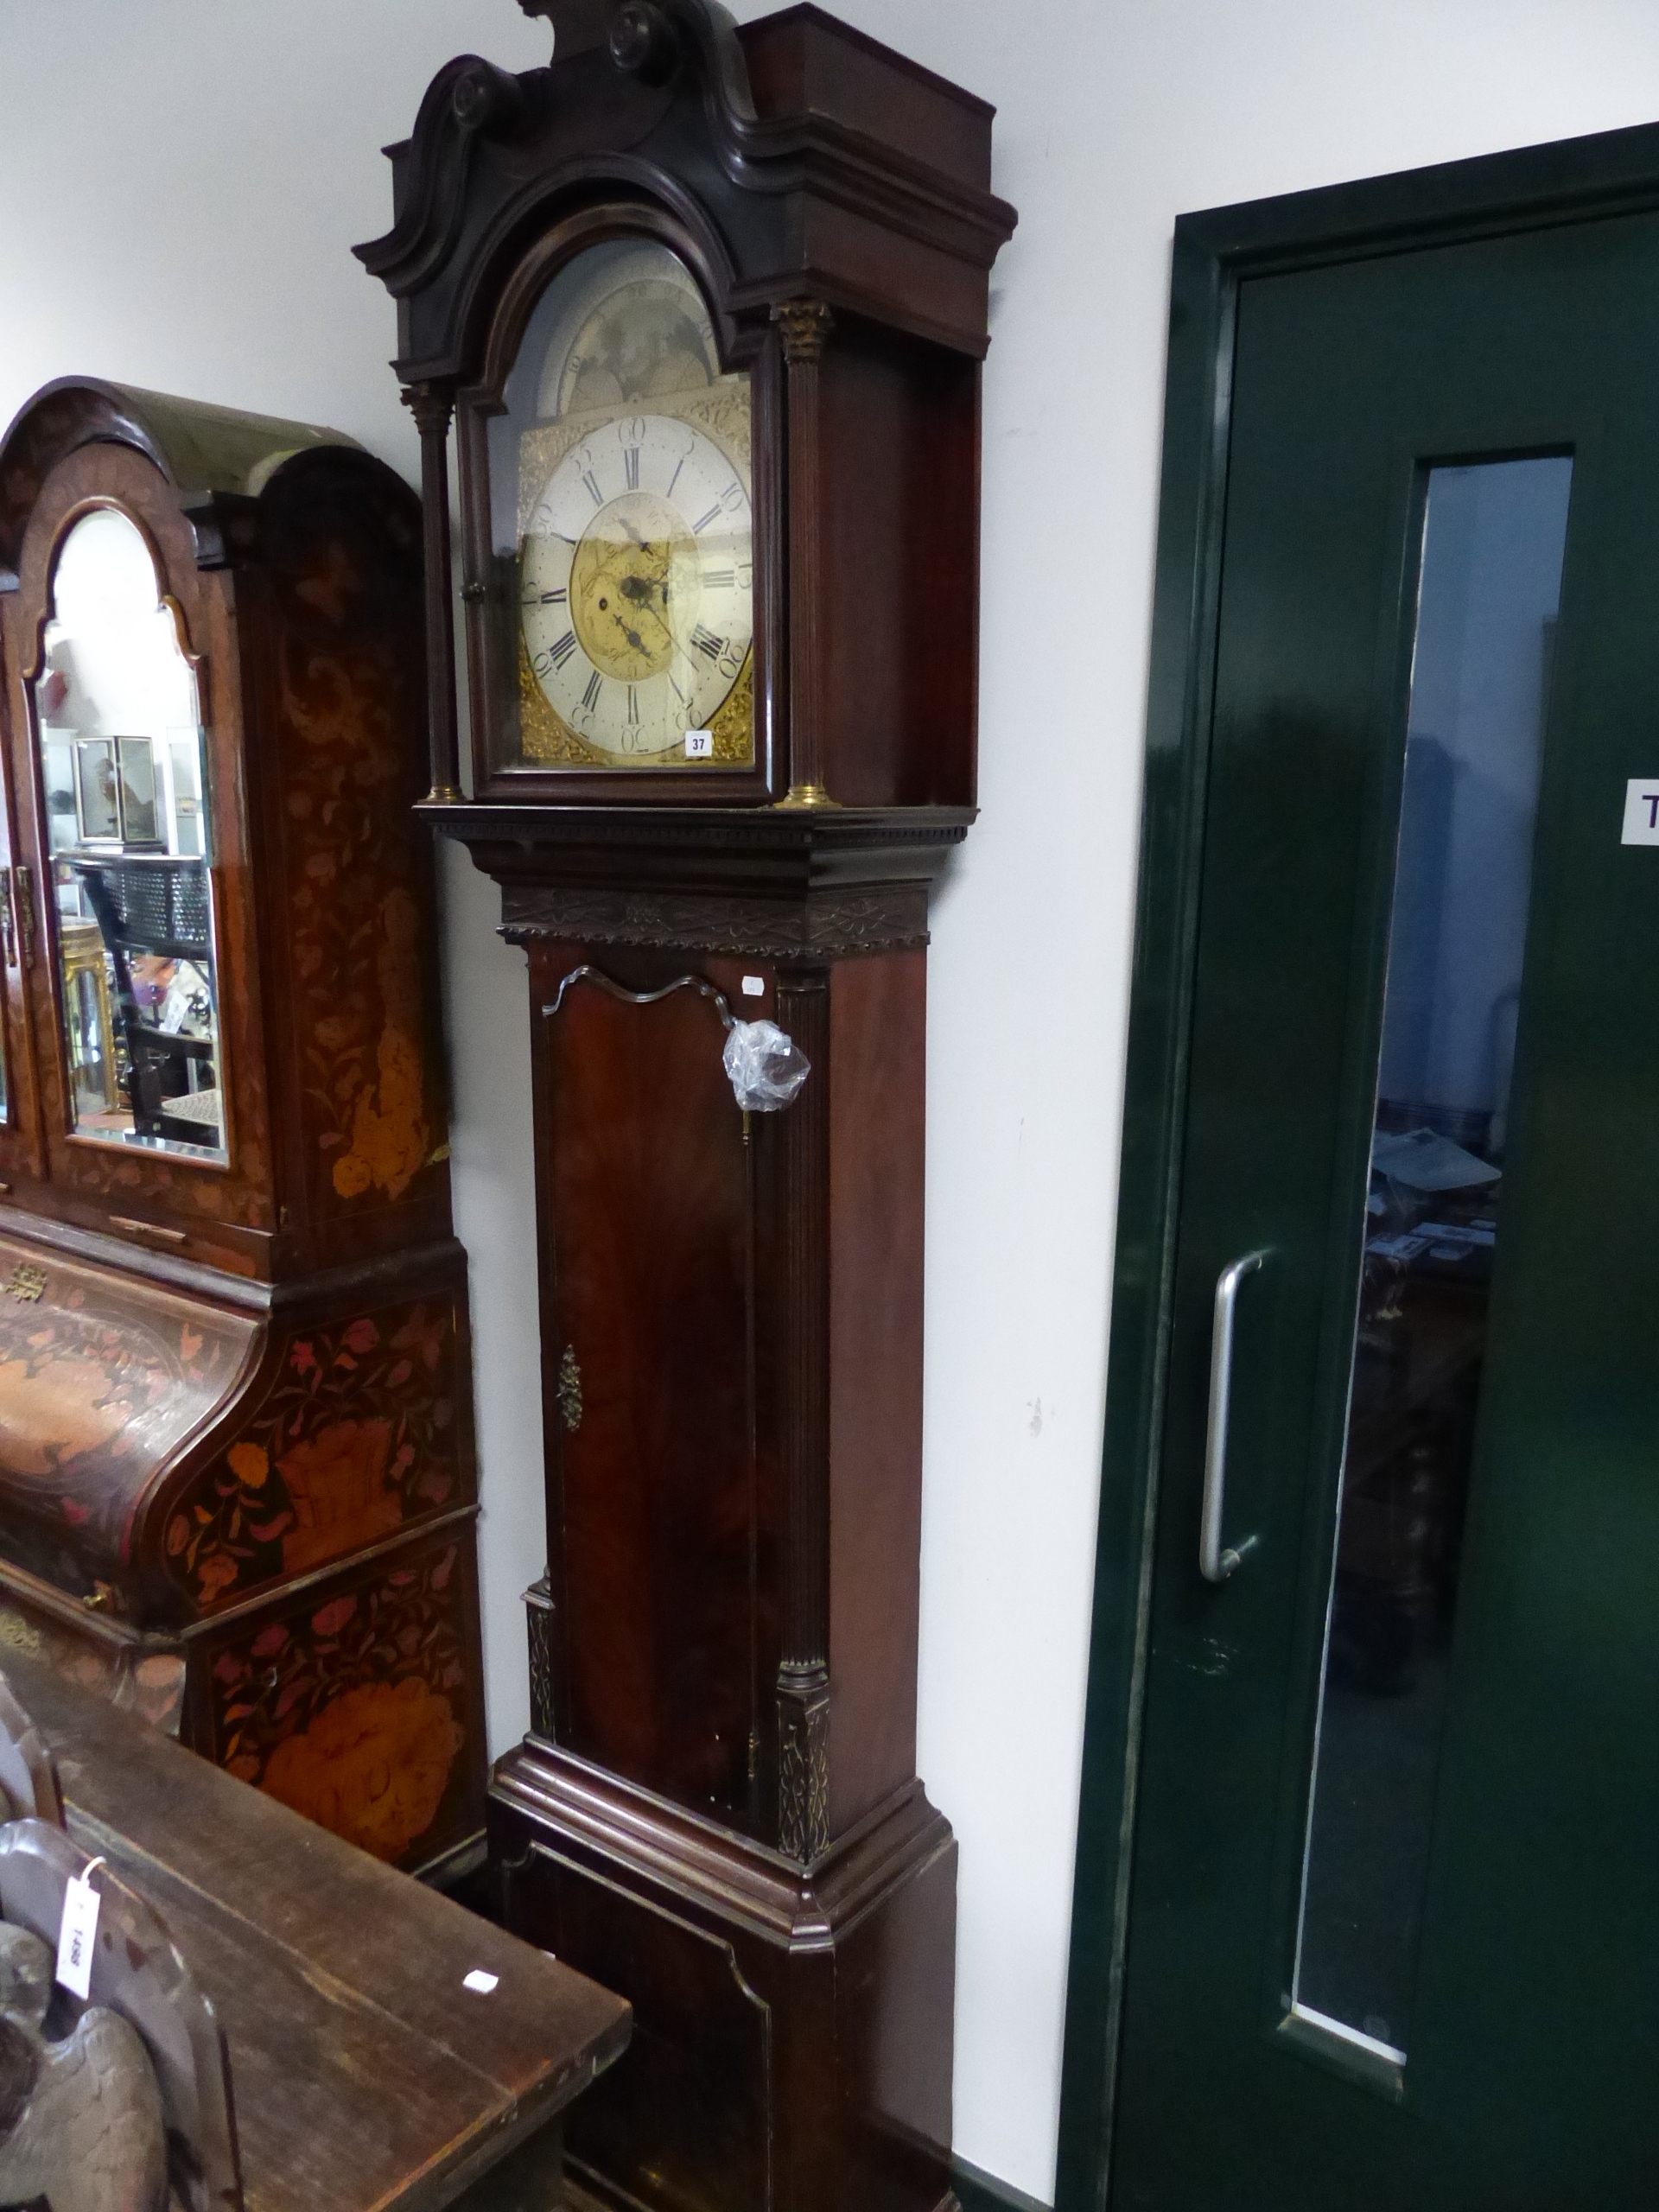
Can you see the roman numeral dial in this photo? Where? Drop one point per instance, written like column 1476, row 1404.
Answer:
column 635, row 586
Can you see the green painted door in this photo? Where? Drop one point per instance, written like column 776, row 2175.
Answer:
column 1393, row 1931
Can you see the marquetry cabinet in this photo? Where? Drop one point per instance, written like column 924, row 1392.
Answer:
column 698, row 311
column 237, row 1478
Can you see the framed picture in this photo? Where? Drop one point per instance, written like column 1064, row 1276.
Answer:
column 140, row 814
column 115, row 792
column 97, row 793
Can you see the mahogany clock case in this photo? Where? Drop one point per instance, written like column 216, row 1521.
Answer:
column 717, row 1810
column 237, row 1475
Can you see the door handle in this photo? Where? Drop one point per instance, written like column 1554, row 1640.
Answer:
column 1215, row 1565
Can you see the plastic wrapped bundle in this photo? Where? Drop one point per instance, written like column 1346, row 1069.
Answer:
column 766, row 1065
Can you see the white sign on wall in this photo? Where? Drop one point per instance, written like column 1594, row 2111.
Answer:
column 1641, row 812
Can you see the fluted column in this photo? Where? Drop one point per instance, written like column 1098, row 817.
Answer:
column 432, row 405
column 804, row 1673
column 804, row 325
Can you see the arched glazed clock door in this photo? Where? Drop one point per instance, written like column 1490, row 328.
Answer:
column 1392, row 1929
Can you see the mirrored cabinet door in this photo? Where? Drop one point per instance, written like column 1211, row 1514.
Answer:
column 140, row 998
column 123, row 780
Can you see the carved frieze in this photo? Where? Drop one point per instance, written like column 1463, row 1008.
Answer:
column 881, row 917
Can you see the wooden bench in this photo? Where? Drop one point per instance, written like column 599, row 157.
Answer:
column 364, row 2072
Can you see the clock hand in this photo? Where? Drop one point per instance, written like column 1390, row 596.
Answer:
column 633, row 637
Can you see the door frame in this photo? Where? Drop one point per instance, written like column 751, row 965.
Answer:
column 1536, row 187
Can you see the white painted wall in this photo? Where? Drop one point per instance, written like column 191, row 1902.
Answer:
column 181, row 181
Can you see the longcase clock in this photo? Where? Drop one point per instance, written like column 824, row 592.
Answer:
column 699, row 310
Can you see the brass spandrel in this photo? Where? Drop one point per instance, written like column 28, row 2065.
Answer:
column 547, row 738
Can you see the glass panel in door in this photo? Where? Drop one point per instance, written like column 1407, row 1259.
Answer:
column 1494, row 535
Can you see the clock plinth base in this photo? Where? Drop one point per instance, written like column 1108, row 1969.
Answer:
column 792, row 2048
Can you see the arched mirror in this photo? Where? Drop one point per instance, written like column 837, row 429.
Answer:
column 123, row 772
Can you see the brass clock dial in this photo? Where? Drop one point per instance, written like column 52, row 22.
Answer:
column 634, row 534
column 637, row 587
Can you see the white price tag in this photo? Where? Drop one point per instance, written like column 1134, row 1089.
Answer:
column 754, row 987
column 699, row 745
column 77, row 1933
column 1641, row 812
column 480, row 1982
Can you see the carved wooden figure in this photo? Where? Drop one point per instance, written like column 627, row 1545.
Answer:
column 237, row 1481
column 80, row 2115
column 92, row 2092
column 707, row 306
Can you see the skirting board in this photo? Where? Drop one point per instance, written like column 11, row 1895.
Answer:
column 983, row 2192
column 975, row 2192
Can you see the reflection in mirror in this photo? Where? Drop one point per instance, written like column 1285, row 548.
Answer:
column 123, row 767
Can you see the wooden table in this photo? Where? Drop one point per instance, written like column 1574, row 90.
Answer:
column 365, row 2075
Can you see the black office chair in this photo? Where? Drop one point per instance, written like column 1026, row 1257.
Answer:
column 153, row 905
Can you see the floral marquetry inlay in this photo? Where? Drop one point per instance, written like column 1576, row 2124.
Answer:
column 353, row 1711
column 355, row 932
column 101, row 1380
column 357, row 1437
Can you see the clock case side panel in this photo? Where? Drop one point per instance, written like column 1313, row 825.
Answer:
column 877, row 1135
column 896, row 528
column 223, row 1213
column 332, row 584
column 838, row 1339
column 571, row 226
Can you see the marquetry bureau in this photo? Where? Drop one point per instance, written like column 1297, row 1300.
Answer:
column 237, row 1478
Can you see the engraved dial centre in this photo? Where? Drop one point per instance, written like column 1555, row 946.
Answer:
column 634, row 587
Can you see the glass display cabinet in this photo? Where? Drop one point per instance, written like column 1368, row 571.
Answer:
column 237, row 1481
